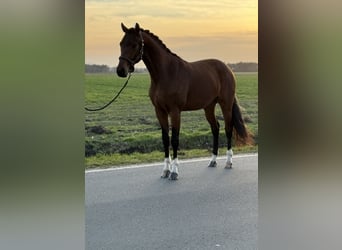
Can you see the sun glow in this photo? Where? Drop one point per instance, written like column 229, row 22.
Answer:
column 193, row 29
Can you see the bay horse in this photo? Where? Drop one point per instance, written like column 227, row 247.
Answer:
column 178, row 85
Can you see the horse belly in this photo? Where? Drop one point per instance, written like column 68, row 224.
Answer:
column 202, row 91
column 199, row 98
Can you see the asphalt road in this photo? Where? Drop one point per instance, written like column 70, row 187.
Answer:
column 206, row 208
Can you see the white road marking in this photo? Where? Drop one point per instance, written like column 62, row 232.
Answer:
column 161, row 163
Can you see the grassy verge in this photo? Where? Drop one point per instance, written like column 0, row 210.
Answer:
column 127, row 132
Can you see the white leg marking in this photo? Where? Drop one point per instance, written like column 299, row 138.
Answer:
column 212, row 162
column 229, row 161
column 166, row 168
column 213, row 158
column 167, row 164
column 174, row 166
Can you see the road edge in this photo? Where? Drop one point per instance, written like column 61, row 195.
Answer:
column 113, row 168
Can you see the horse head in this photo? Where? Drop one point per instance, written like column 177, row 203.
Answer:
column 132, row 49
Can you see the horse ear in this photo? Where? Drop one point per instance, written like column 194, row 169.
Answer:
column 124, row 28
column 137, row 27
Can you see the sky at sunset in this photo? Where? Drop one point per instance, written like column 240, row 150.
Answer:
column 193, row 29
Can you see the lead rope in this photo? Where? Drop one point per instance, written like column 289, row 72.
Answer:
column 129, row 75
column 111, row 101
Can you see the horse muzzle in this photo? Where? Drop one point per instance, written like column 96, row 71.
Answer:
column 125, row 66
column 121, row 72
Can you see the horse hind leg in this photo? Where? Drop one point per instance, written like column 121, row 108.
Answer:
column 175, row 162
column 229, row 133
column 215, row 130
column 227, row 114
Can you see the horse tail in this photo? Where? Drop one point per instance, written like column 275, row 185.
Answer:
column 242, row 134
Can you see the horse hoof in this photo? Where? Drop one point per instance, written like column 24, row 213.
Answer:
column 212, row 164
column 174, row 176
column 165, row 174
column 228, row 165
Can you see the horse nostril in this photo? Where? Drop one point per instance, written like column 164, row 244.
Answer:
column 121, row 72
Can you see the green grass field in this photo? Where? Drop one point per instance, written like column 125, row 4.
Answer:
column 128, row 131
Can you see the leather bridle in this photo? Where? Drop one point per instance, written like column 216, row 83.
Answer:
column 139, row 56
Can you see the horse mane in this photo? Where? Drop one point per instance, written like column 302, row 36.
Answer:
column 160, row 42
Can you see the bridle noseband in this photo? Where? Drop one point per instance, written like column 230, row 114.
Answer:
column 139, row 56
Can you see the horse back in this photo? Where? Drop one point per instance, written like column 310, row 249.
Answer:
column 192, row 86
column 210, row 80
column 212, row 70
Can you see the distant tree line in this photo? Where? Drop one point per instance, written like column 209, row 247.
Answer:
column 244, row 67
column 236, row 67
column 94, row 68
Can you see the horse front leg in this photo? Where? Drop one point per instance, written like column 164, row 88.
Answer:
column 175, row 121
column 167, row 161
column 164, row 124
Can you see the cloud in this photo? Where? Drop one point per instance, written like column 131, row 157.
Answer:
column 175, row 8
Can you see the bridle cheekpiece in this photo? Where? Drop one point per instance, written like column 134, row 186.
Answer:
column 139, row 56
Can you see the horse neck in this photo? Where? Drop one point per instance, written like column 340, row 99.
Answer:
column 155, row 57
